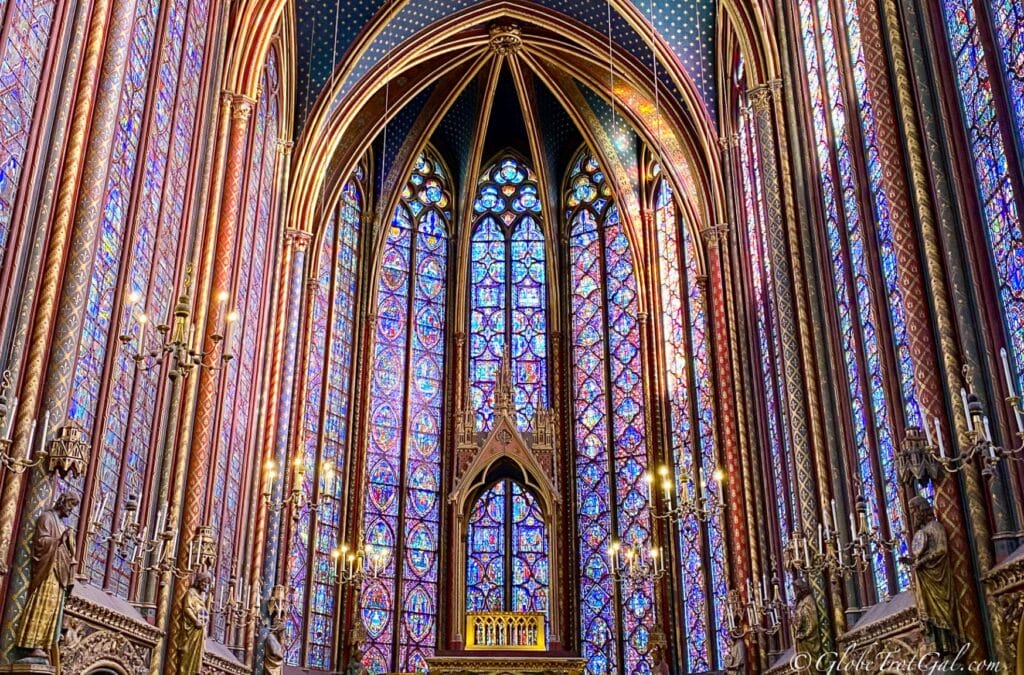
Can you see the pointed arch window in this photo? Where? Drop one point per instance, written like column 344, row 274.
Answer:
column 976, row 69
column 865, row 295
column 27, row 29
column 138, row 252
column 311, row 627
column 691, row 404
column 508, row 292
column 608, row 403
column 507, row 552
column 403, row 463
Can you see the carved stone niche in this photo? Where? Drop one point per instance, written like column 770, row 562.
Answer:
column 482, row 459
column 104, row 634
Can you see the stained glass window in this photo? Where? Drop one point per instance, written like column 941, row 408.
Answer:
column 608, row 403
column 403, row 475
column 974, row 68
column 506, row 528
column 326, row 432
column 27, row 35
column 507, row 292
column 236, row 433
column 853, row 277
column 145, row 237
column 691, row 424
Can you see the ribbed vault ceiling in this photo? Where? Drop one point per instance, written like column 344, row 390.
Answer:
column 330, row 31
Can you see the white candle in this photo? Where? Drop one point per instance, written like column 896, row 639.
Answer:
column 160, row 517
column 821, row 540
column 835, row 516
column 938, row 435
column 140, row 348
column 967, row 409
column 853, row 527
column 807, row 553
column 988, row 431
column 928, row 434
column 700, row 485
column 42, row 439
column 31, row 438
column 11, row 411
column 1006, row 372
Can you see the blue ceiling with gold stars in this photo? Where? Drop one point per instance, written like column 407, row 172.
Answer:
column 327, row 28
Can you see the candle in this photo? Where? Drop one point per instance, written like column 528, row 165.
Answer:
column 160, row 518
column 807, row 553
column 140, row 348
column 42, row 438
column 648, row 479
column 835, row 516
column 191, row 550
column 222, row 300
column 1006, row 372
column 840, row 549
column 928, row 434
column 11, row 411
column 821, row 540
column 853, row 527
column 967, row 409
column 191, row 337
column 700, row 485
column 938, row 435
column 988, row 431
column 133, row 299
column 229, row 332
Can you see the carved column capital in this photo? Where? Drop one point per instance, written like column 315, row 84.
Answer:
column 760, row 96
column 298, row 240
column 716, row 233
column 285, row 147
column 242, row 107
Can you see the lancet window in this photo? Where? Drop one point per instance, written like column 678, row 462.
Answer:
column 508, row 313
column 403, row 456
column 609, row 431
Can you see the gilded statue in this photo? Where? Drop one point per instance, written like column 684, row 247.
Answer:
column 736, row 658
column 273, row 656
column 806, row 635
column 660, row 661
column 355, row 664
column 192, row 620
column 933, row 579
column 53, row 575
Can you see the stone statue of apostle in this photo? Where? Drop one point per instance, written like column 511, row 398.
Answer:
column 53, row 575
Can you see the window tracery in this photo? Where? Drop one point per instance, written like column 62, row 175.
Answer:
column 608, row 401
column 403, row 465
column 508, row 292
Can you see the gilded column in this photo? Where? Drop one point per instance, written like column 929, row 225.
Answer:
column 215, row 277
column 60, row 233
column 791, row 334
column 61, row 304
column 176, row 479
column 280, row 395
column 949, row 354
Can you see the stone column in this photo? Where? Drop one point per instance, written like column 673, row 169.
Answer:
column 792, row 325
column 213, row 277
column 267, row 532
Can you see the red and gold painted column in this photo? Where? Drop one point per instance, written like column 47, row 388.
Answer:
column 215, row 274
column 714, row 238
